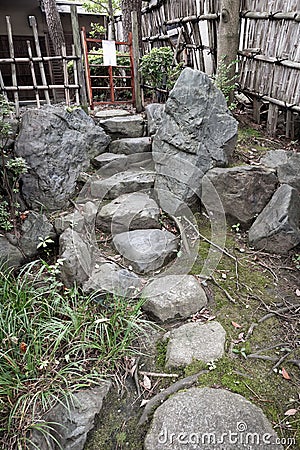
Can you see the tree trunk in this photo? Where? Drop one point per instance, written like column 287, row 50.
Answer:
column 112, row 28
column 54, row 25
column 228, row 35
column 127, row 7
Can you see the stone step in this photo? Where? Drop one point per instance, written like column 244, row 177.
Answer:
column 130, row 146
column 109, row 164
column 122, row 183
column 124, row 127
column 128, row 212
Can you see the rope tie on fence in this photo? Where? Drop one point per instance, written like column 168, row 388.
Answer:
column 243, row 14
column 272, row 15
column 279, row 61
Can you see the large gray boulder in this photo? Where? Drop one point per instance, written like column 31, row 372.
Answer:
column 173, row 297
column 76, row 253
column 57, row 146
column 287, row 165
column 71, row 423
column 146, row 250
column 109, row 278
column 210, row 419
column 197, row 133
column 129, row 212
column 276, row 229
column 244, row 191
column 195, row 341
column 122, row 183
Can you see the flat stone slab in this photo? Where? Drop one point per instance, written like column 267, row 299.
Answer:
column 131, row 146
column 124, row 127
column 276, row 229
column 195, row 341
column 122, row 183
column 210, row 419
column 129, row 212
column 109, row 278
column 173, row 297
column 110, row 164
column 244, row 191
column 108, row 113
column 287, row 165
column 146, row 250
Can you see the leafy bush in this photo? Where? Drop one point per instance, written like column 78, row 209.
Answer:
column 224, row 82
column 54, row 342
column 158, row 70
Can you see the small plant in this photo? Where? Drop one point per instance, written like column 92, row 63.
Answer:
column 158, row 69
column 225, row 82
column 236, row 227
column 211, row 365
column 11, row 169
column 296, row 260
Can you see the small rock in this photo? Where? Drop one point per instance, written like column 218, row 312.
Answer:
column 244, row 191
column 89, row 212
column 10, row 255
column 122, row 183
column 146, row 250
column 129, row 212
column 287, row 165
column 35, row 228
column 131, row 146
column 195, row 342
column 210, row 419
column 154, row 113
column 71, row 423
column 276, row 229
column 174, row 297
column 73, row 220
column 109, row 278
column 124, row 127
column 77, row 257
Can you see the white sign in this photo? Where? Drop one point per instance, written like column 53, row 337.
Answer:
column 109, row 53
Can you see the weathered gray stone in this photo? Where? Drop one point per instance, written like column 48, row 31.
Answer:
column 35, row 228
column 276, row 229
column 71, row 424
column 57, row 145
column 210, row 419
column 77, row 256
column 73, row 220
column 244, row 191
column 154, row 113
column 108, row 113
column 197, row 133
column 109, row 278
column 10, row 255
column 195, row 342
column 131, row 146
column 124, row 127
column 110, row 160
column 146, row 250
column 89, row 212
column 122, row 183
column 129, row 212
column 173, row 297
column 287, row 165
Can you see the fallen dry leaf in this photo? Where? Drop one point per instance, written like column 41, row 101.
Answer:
column 146, row 383
column 291, row 412
column 143, row 403
column 23, row 347
column 285, row 374
column 236, row 325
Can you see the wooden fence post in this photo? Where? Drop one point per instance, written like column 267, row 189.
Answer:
column 228, row 35
column 136, row 58
column 78, row 52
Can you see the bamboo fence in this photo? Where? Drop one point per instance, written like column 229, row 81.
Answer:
column 269, row 50
column 41, row 88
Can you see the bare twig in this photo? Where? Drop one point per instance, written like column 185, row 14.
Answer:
column 279, row 312
column 159, row 375
column 231, row 299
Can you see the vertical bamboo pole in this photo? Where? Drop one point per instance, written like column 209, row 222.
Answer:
column 136, row 59
column 13, row 65
column 76, row 78
column 78, row 52
column 32, row 22
column 87, row 67
column 37, row 96
column 65, row 71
